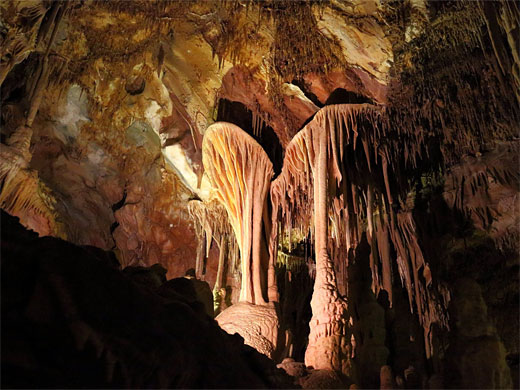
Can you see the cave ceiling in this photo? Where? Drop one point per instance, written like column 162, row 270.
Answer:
column 117, row 68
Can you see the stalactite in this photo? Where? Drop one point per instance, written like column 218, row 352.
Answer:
column 47, row 23
column 18, row 48
column 21, row 191
column 179, row 107
column 199, row 260
column 58, row 13
column 240, row 171
column 355, row 200
column 383, row 247
column 39, row 89
column 218, row 289
column 211, row 224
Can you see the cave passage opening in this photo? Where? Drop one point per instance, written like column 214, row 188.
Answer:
column 238, row 114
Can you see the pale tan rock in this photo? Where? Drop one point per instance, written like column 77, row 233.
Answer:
column 257, row 324
column 363, row 44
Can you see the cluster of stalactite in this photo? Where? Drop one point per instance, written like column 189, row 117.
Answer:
column 290, row 23
column 294, row 21
column 21, row 190
column 363, row 195
column 16, row 45
column 453, row 80
column 114, row 51
column 211, row 224
column 37, row 27
column 471, row 186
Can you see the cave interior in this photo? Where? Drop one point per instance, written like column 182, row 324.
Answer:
column 260, row 194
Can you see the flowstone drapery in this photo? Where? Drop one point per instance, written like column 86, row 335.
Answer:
column 241, row 172
column 337, row 183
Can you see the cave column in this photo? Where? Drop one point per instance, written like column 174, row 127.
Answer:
column 258, row 243
column 329, row 346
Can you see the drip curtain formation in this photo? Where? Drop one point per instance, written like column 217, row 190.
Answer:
column 324, row 191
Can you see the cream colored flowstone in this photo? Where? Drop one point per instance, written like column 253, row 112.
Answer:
column 240, row 172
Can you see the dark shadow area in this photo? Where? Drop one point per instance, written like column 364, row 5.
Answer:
column 72, row 319
column 312, row 97
column 480, row 276
column 342, row 96
column 238, row 114
column 295, row 287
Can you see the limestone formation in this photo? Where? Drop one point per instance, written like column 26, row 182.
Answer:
column 329, row 174
column 241, row 172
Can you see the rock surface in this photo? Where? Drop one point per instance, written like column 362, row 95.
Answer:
column 84, row 323
column 257, row 324
column 104, row 109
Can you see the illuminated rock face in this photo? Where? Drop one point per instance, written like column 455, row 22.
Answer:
column 241, row 171
column 257, row 324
